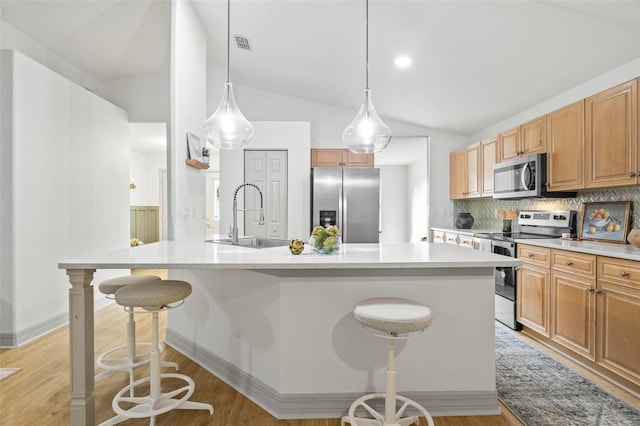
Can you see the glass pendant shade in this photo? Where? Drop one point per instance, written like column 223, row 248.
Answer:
column 227, row 128
column 367, row 133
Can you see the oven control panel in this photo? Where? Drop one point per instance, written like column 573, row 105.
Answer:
column 555, row 219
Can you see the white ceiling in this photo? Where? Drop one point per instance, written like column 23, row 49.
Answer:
column 475, row 63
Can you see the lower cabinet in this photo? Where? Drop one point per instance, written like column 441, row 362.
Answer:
column 618, row 320
column 573, row 313
column 584, row 305
column 452, row 237
column 532, row 306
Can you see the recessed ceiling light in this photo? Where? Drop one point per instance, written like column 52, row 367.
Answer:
column 403, row 61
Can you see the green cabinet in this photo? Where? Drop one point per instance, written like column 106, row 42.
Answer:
column 145, row 223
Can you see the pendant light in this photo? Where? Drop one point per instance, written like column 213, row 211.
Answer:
column 227, row 128
column 367, row 133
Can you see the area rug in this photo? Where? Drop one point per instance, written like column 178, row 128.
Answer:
column 543, row 392
column 6, row 372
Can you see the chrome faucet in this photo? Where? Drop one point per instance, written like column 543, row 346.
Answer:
column 234, row 231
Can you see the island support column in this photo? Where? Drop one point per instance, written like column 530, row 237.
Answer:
column 82, row 410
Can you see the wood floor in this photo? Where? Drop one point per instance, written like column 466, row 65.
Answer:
column 39, row 394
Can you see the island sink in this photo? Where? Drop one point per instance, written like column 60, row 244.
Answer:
column 253, row 242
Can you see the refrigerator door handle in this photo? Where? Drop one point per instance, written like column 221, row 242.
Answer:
column 341, row 210
column 344, row 219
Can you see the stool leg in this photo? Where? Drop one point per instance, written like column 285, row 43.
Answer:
column 390, row 391
column 154, row 367
column 131, row 348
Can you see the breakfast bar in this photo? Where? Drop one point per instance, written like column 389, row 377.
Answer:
column 278, row 327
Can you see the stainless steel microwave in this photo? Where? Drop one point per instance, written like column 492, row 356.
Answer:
column 524, row 177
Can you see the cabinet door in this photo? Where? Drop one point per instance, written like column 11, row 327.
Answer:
column 350, row 159
column 573, row 319
column 326, row 157
column 533, row 137
column 510, row 144
column 565, row 148
column 437, row 236
column 533, row 298
column 618, row 347
column 611, row 137
column 457, row 175
column 488, row 158
column 473, row 171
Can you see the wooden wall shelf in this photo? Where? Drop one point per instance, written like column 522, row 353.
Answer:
column 197, row 164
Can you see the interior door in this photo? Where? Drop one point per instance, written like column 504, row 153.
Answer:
column 268, row 171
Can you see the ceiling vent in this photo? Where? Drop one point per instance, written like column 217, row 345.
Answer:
column 242, row 42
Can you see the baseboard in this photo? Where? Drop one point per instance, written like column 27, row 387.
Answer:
column 324, row 406
column 14, row 340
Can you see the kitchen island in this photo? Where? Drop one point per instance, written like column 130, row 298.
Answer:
column 279, row 328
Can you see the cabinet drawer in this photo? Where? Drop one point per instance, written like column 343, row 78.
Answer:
column 465, row 241
column 574, row 263
column 437, row 236
column 534, row 255
column 451, row 239
column 620, row 271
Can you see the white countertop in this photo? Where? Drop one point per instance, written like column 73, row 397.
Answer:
column 204, row 255
column 622, row 251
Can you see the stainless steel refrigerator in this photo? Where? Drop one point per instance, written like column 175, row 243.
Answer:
column 348, row 198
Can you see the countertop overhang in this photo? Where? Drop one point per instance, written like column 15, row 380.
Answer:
column 204, row 255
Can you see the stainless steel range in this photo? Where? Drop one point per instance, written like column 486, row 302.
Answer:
column 531, row 225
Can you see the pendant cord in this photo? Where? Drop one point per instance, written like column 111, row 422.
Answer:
column 367, row 47
column 228, row 36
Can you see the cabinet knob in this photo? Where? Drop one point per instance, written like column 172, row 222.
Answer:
column 597, row 291
column 624, row 274
column 569, row 263
column 633, row 174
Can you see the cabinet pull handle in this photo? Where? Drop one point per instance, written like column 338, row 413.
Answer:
column 530, row 255
column 624, row 274
column 633, row 174
column 569, row 263
column 597, row 291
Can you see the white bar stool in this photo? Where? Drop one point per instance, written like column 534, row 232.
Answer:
column 153, row 298
column 392, row 318
column 126, row 358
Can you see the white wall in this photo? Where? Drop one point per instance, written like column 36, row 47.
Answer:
column 145, row 173
column 7, row 294
column 418, row 200
column 394, row 214
column 145, row 98
column 68, row 190
column 295, row 138
column 604, row 81
column 12, row 38
column 188, row 107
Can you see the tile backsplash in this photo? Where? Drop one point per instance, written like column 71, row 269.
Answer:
column 484, row 210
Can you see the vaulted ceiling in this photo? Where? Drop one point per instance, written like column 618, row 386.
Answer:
column 474, row 62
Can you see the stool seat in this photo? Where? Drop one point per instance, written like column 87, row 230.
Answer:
column 392, row 315
column 112, row 285
column 153, row 296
